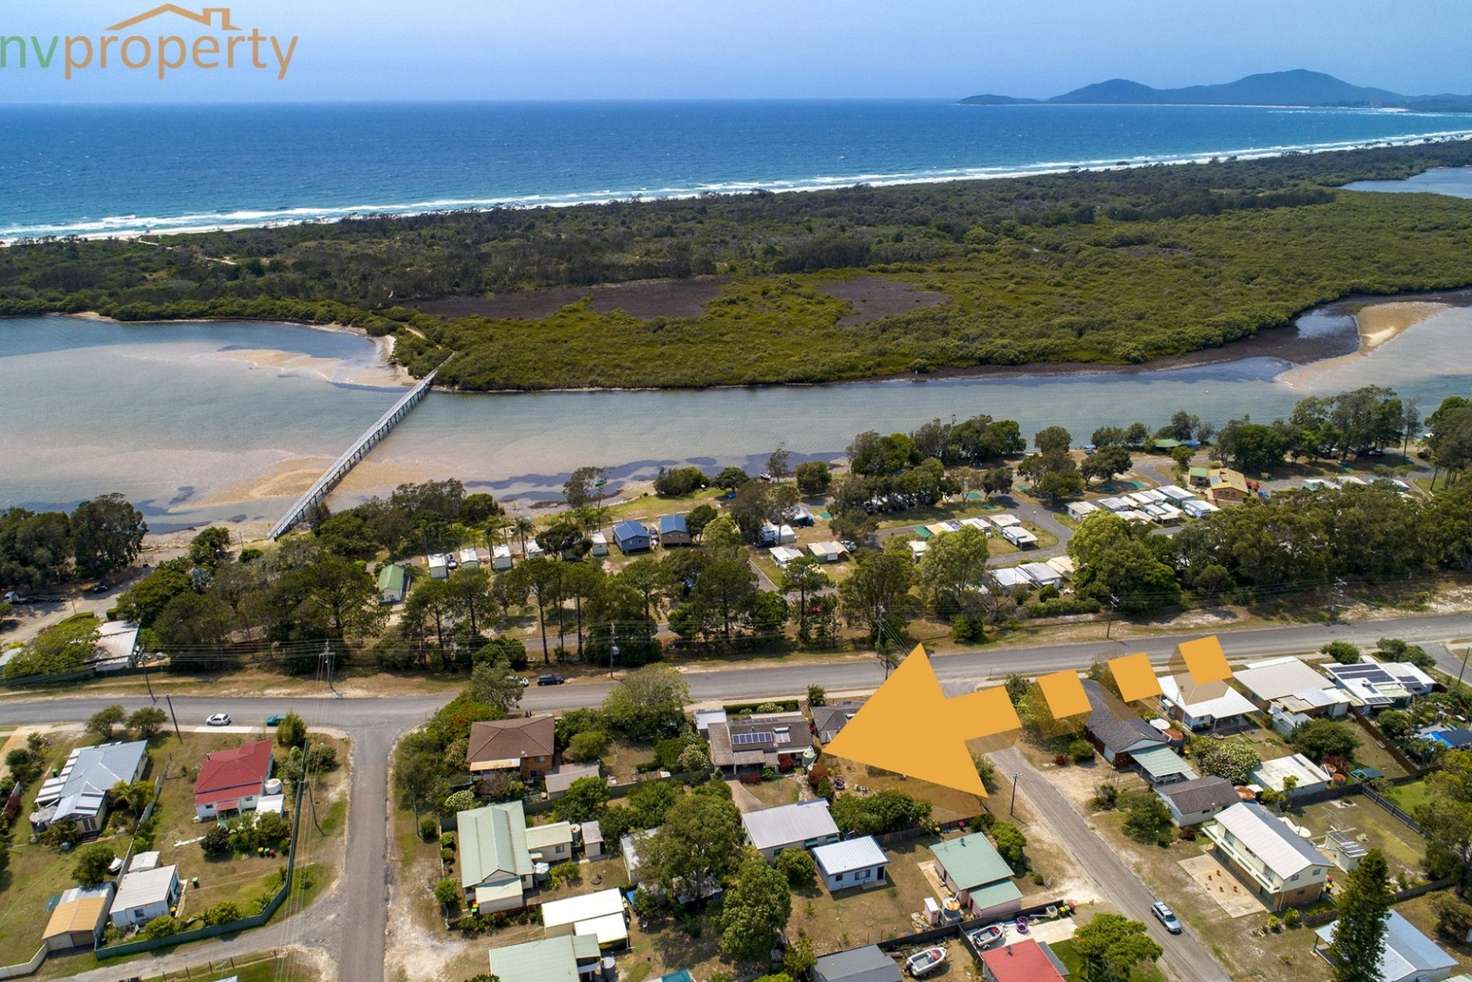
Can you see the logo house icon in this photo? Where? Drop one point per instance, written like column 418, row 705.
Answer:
column 205, row 18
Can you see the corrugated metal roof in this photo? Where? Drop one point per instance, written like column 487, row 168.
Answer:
column 849, row 855
column 788, row 824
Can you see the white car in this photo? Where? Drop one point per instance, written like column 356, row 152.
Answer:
column 217, row 719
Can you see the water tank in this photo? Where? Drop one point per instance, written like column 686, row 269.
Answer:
column 273, row 785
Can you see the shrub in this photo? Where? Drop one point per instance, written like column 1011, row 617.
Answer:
column 1081, row 750
column 429, row 828
column 1292, row 918
column 221, row 913
column 564, row 873
column 447, row 892
column 1106, row 796
column 1011, row 845
column 160, row 927
column 816, row 695
column 291, row 731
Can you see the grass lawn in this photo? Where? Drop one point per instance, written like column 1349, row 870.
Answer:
column 1373, row 826
column 622, row 759
column 859, row 917
column 652, row 506
column 783, row 791
column 1410, row 796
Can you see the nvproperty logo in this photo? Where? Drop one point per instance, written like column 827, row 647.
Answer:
column 222, row 45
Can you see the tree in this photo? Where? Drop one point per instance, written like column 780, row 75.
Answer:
column 216, row 842
column 1116, row 563
column 731, row 478
column 496, row 685
column 92, row 863
column 1148, row 820
column 291, row 731
column 878, row 813
column 584, row 486
column 107, row 533
column 1253, row 447
column 997, row 480
column 813, row 478
column 647, row 702
column 210, row 547
column 807, row 579
column 147, row 721
column 1446, row 819
column 1453, row 918
column 754, row 911
column 779, row 463
column 1011, row 845
column 700, row 842
column 448, row 892
column 1320, row 739
column 816, row 695
column 1106, row 463
column 587, row 745
column 700, row 516
column 342, row 592
column 582, row 801
column 1052, row 439
column 799, row 958
column 798, row 866
column 1363, row 905
column 875, row 596
column 1342, row 652
column 104, row 721
column 1232, row 759
column 1111, row 945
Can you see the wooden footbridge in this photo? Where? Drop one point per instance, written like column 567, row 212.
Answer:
column 323, row 486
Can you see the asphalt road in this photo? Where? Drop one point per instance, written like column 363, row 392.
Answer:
column 1184, row 953
column 350, row 923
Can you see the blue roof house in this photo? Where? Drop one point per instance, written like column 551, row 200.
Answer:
column 673, row 531
column 630, row 537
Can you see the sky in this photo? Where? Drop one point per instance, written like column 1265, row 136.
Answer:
column 721, row 49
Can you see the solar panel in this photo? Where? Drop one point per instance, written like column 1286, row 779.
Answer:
column 1370, row 673
column 749, row 739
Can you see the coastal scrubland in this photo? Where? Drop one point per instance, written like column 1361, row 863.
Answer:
column 1113, row 267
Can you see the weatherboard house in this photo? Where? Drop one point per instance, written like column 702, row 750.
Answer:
column 631, row 536
column 1116, row 732
column 233, row 780
column 980, row 877
column 79, row 792
column 1283, row 869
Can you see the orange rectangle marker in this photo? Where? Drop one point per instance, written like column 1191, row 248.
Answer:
column 1205, row 660
column 1134, row 676
column 1065, row 694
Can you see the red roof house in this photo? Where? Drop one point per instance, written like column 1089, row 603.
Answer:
column 232, row 780
column 1025, row 961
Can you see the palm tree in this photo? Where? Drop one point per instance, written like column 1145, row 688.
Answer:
column 523, row 527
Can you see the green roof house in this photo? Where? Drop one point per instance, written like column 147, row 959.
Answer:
column 980, row 877
column 565, row 958
column 495, row 864
column 393, row 582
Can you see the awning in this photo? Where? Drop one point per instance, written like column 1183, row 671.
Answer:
column 1162, row 762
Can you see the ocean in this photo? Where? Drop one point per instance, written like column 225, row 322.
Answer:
column 101, row 170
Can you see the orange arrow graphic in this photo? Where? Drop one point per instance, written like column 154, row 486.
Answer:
column 910, row 727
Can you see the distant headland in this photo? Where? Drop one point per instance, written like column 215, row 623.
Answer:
column 1298, row 87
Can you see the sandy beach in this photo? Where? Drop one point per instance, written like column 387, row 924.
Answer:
column 1381, row 322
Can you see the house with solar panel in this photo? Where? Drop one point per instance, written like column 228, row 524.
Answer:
column 746, row 743
column 1380, row 685
column 78, row 793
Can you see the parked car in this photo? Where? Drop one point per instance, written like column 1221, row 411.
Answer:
column 523, row 681
column 274, row 719
column 100, row 588
column 986, row 937
column 922, row 963
column 217, row 719
column 1166, row 916
column 551, row 679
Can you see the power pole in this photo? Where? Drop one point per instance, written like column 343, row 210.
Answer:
column 170, row 700
column 1012, row 808
column 151, row 696
column 1463, row 670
